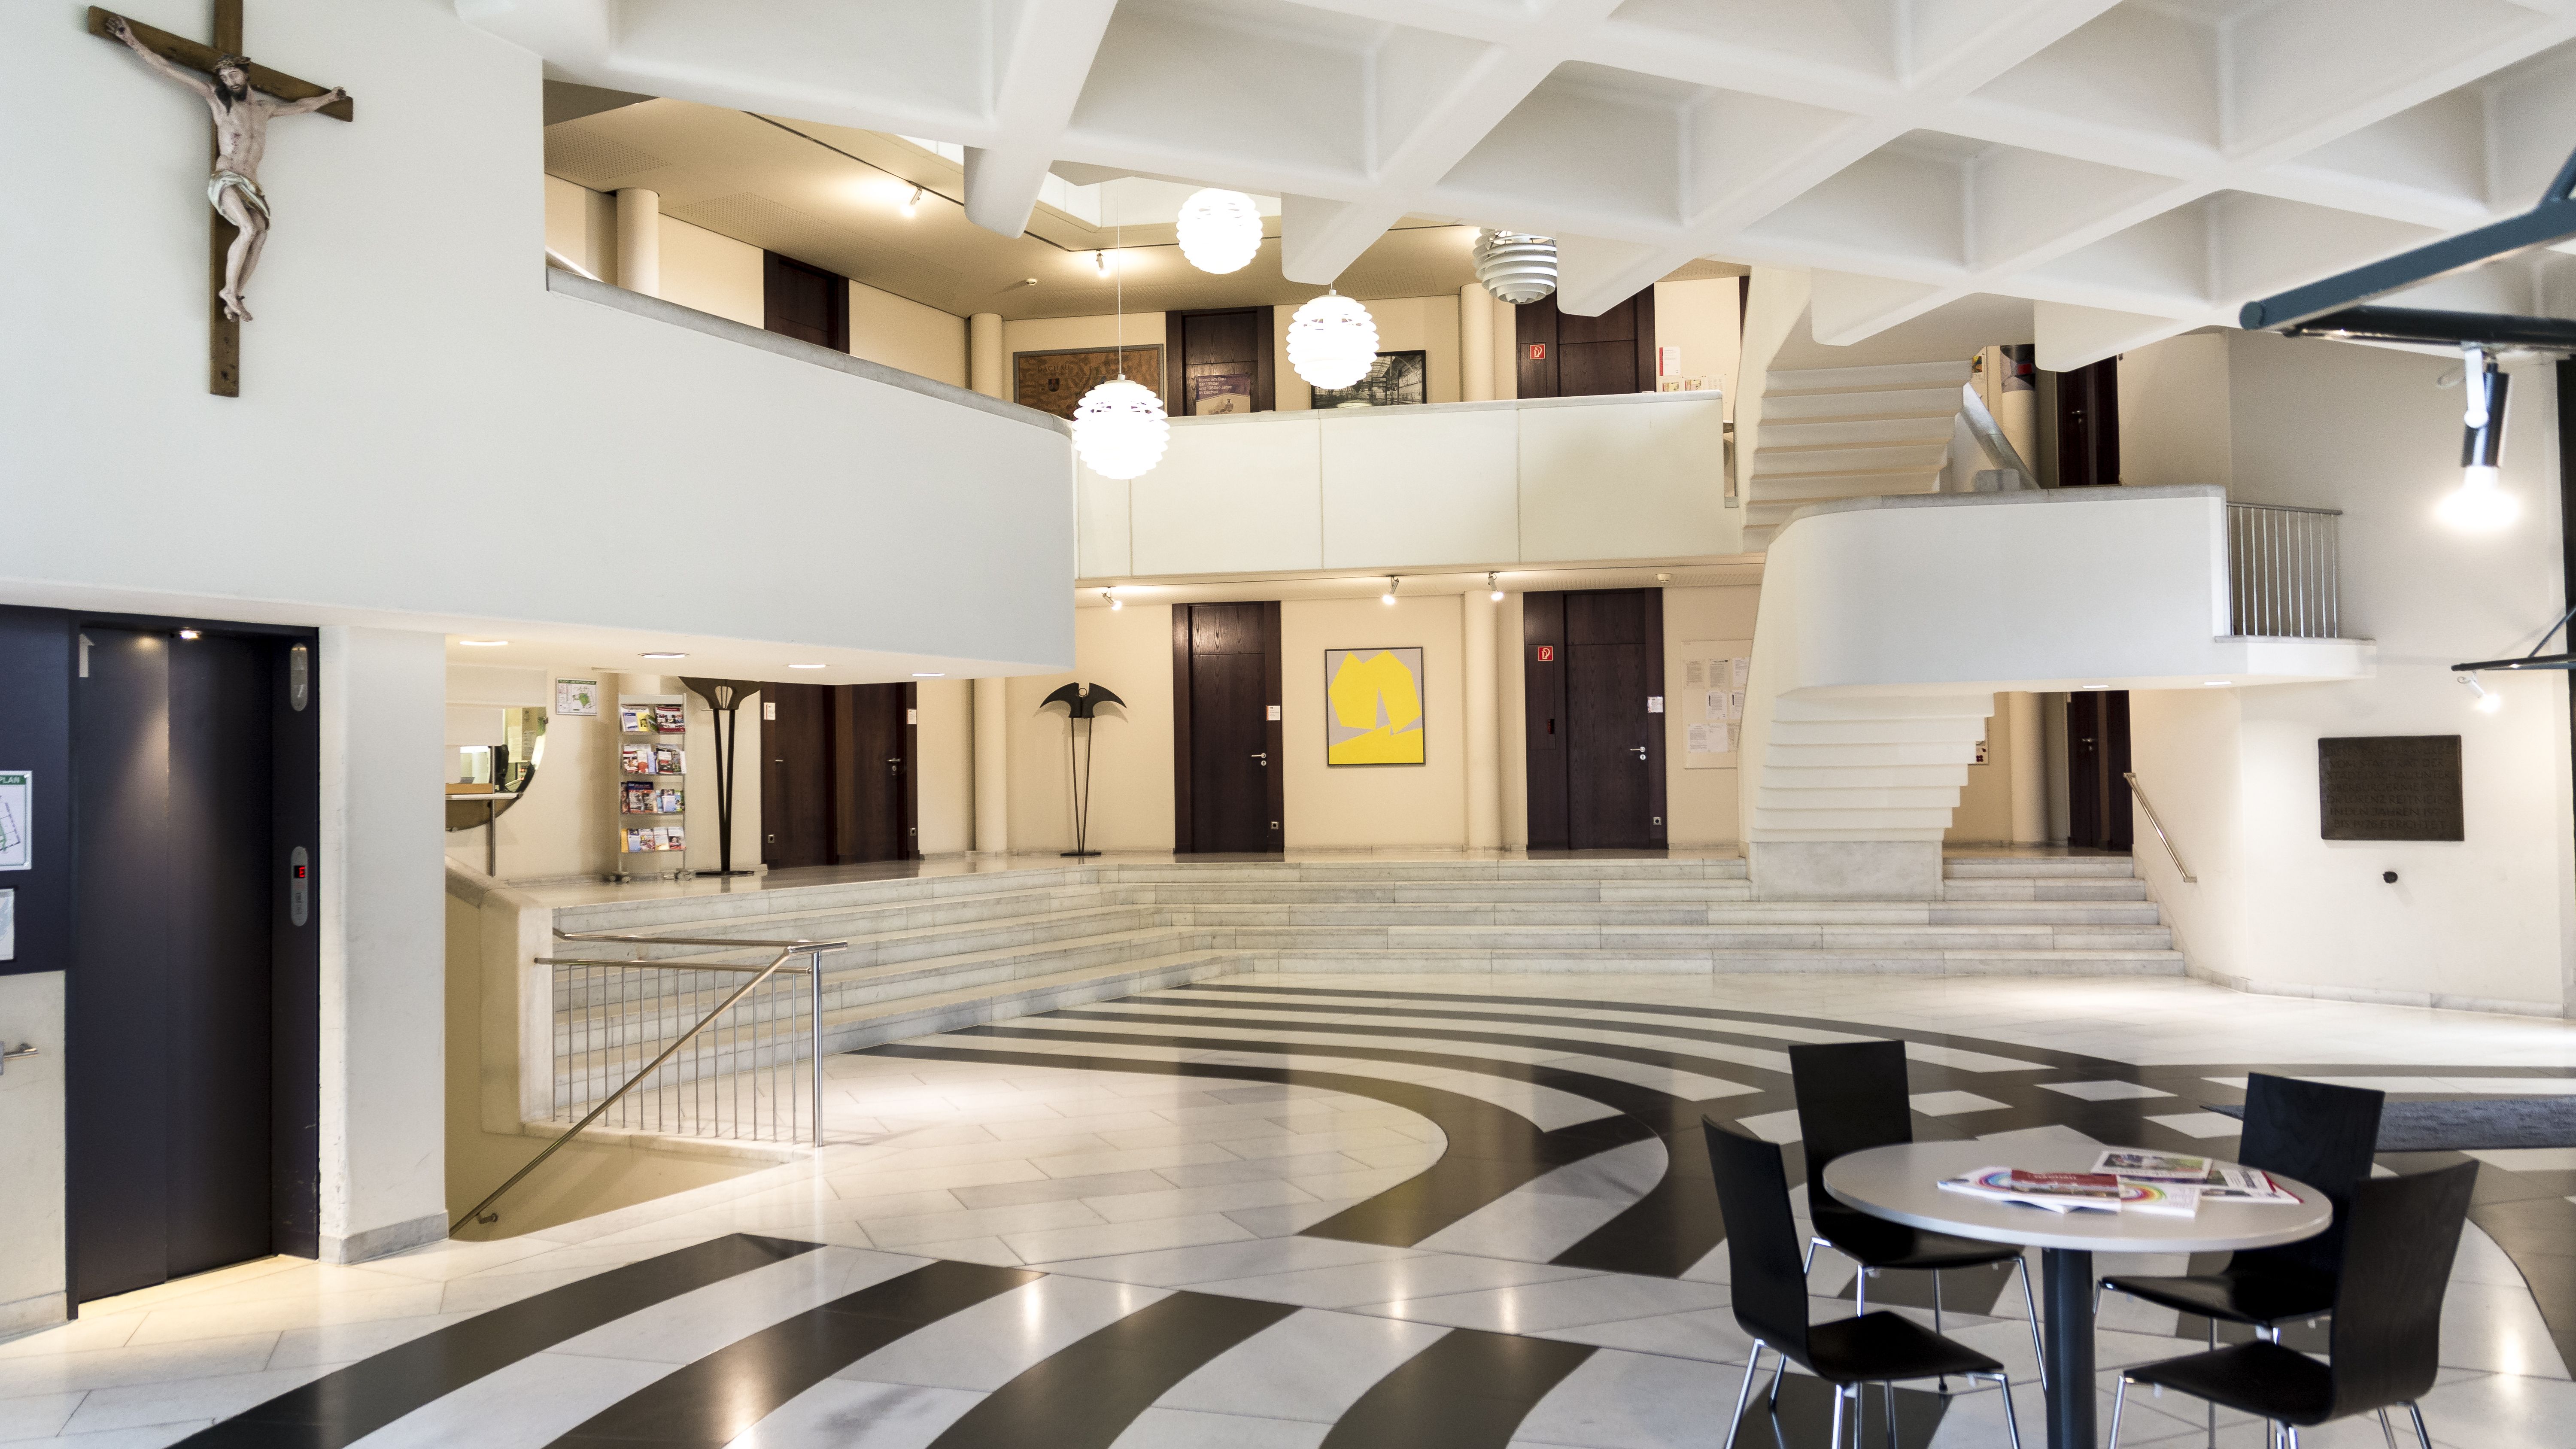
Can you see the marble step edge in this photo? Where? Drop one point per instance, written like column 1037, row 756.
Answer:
column 1933, row 963
column 1965, row 867
column 920, row 942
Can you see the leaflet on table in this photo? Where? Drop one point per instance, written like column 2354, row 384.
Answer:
column 2066, row 1192
column 2232, row 1184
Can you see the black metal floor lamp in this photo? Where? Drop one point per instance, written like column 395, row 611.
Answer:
column 725, row 698
column 1081, row 703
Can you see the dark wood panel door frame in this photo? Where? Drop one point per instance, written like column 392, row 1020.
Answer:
column 1264, row 359
column 1626, row 332
column 783, row 280
column 1549, row 714
column 1275, row 729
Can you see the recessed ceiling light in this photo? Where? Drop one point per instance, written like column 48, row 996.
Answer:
column 804, row 666
column 917, row 674
column 663, row 654
column 187, row 633
column 482, row 643
column 2092, row 686
column 2217, row 683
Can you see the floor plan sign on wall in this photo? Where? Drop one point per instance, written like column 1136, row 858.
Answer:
column 17, row 819
column 1714, row 673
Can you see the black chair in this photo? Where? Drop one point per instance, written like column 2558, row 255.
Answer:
column 1853, row 1096
column 1769, row 1289
column 2387, row 1335
column 2323, row 1136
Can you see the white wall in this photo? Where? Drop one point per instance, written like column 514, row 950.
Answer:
column 381, row 888
column 426, row 435
column 2485, row 921
column 1634, row 476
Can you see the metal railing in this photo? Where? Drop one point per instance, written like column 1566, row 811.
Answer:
column 1991, row 440
column 2282, row 565
column 2149, row 806
column 750, row 1068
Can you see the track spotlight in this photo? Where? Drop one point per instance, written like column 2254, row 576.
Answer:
column 1496, row 590
column 1388, row 597
column 2488, row 702
column 1115, row 603
column 2479, row 504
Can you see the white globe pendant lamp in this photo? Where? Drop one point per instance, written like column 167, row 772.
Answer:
column 1515, row 267
column 1119, row 427
column 1332, row 341
column 1219, row 230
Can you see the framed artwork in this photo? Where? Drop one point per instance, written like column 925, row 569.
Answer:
column 1373, row 707
column 1394, row 379
column 1053, row 382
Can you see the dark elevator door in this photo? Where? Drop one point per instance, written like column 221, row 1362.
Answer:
column 836, row 781
column 1231, row 665
column 795, row 775
column 169, row 1072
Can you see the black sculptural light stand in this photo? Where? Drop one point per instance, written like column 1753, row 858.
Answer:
column 724, row 699
column 1081, row 703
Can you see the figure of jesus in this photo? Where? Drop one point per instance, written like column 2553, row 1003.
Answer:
column 241, row 137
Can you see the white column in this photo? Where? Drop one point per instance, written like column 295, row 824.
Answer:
column 992, row 766
column 2029, row 769
column 1484, row 723
column 639, row 241
column 984, row 354
column 1475, row 343
column 379, row 885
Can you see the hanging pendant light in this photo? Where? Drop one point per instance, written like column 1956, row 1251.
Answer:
column 1515, row 267
column 1332, row 341
column 1219, row 230
column 1119, row 427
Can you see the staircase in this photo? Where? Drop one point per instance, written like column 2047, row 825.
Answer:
column 1848, row 432
column 935, row 953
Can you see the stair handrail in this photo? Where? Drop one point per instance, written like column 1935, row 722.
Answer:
column 814, row 950
column 1990, row 435
column 2149, row 806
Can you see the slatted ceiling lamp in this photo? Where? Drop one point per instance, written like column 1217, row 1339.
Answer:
column 1219, row 230
column 1332, row 341
column 1119, row 427
column 1514, row 266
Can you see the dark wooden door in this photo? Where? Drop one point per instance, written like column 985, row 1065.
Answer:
column 2100, row 813
column 805, row 302
column 1593, row 672
column 796, row 774
column 176, row 1018
column 1564, row 355
column 1226, row 742
column 2088, row 426
column 1221, row 360
column 873, row 810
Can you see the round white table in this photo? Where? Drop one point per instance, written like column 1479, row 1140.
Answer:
column 1901, row 1184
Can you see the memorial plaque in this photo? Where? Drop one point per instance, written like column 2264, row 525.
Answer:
column 2390, row 787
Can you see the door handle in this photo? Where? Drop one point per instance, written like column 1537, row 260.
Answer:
column 1641, row 753
column 1263, row 756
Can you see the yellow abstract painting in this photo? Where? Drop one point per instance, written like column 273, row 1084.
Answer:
column 1373, row 700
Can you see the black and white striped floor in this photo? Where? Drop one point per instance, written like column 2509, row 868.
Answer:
column 1299, row 1211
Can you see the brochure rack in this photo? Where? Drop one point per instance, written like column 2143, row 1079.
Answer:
column 652, row 786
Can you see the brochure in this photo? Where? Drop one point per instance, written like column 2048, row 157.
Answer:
column 670, row 718
column 636, row 759
column 2067, row 1192
column 634, row 719
column 2131, row 1163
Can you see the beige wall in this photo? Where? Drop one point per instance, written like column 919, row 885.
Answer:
column 1700, row 318
column 1700, row 806
column 2174, row 423
column 1351, row 807
column 946, row 767
column 1984, row 816
column 903, row 333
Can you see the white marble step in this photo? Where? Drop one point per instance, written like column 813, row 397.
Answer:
column 1963, row 867
column 1920, row 962
column 1766, row 936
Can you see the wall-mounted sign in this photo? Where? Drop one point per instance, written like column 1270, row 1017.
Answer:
column 2390, row 787
column 576, row 697
column 17, row 819
column 1654, row 704
column 1538, row 352
column 1547, row 654
column 1274, row 711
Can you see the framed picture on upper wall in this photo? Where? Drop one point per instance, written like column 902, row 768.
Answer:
column 1394, row 379
column 1054, row 381
column 1373, row 707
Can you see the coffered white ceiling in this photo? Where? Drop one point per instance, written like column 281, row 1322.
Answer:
column 2133, row 168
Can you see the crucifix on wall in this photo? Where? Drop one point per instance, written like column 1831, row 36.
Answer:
column 242, row 96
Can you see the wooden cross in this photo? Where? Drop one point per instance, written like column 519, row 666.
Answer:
column 223, row 375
